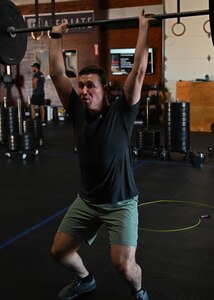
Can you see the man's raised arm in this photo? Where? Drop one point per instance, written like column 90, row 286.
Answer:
column 61, row 82
column 134, row 81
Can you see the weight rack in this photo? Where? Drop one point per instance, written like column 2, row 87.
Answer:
column 20, row 136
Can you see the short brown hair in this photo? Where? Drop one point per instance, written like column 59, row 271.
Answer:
column 94, row 69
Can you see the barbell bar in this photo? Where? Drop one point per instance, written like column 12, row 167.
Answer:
column 12, row 31
column 13, row 34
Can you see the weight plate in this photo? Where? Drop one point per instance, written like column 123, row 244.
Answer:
column 12, row 49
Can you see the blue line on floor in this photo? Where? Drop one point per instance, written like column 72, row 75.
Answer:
column 40, row 224
column 140, row 163
column 34, row 227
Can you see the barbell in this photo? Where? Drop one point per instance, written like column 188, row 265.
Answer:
column 13, row 33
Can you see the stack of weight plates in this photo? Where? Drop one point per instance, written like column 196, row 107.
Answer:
column 13, row 142
column 12, row 128
column 26, row 142
column 147, row 140
column 27, row 137
column 27, row 126
column 37, row 129
column 177, row 126
column 2, row 125
column 11, row 120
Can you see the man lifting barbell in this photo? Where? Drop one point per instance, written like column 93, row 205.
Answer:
column 102, row 132
column 108, row 194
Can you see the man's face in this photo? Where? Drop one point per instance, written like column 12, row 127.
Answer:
column 91, row 92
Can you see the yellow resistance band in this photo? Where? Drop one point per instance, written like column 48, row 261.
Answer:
column 174, row 201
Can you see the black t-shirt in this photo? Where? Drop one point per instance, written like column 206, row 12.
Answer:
column 103, row 144
column 40, row 83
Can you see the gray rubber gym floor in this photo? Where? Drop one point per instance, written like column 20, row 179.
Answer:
column 176, row 245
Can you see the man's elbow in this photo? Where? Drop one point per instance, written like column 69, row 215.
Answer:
column 141, row 72
column 55, row 76
column 53, row 72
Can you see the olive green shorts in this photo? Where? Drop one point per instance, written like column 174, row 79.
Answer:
column 120, row 219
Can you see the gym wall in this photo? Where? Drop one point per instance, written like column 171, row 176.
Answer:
column 92, row 47
column 190, row 56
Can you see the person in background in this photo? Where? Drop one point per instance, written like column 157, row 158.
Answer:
column 38, row 95
column 108, row 194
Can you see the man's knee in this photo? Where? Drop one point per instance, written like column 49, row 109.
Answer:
column 122, row 266
column 123, row 259
column 64, row 245
column 56, row 253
